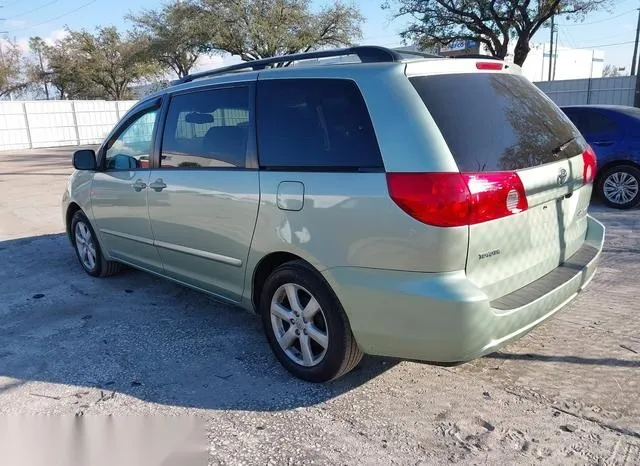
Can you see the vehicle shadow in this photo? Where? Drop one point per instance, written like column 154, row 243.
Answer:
column 139, row 335
column 611, row 362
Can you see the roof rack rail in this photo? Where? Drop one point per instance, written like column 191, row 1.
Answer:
column 366, row 53
column 419, row 54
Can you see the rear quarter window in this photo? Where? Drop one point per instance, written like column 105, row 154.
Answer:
column 495, row 121
column 318, row 124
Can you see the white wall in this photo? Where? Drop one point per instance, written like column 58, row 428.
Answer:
column 51, row 123
column 570, row 63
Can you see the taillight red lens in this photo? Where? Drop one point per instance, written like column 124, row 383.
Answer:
column 439, row 199
column 590, row 165
column 456, row 199
column 482, row 65
column 495, row 195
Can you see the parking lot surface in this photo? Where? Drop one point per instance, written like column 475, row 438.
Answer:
column 568, row 392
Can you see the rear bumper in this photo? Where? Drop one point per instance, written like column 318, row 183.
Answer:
column 445, row 317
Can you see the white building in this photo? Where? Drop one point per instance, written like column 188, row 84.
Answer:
column 569, row 63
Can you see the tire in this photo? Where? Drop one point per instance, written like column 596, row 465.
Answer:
column 88, row 249
column 329, row 324
column 619, row 186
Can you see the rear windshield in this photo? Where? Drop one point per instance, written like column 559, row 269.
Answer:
column 495, row 121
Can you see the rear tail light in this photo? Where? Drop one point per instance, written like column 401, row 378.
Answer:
column 589, row 165
column 483, row 65
column 457, row 199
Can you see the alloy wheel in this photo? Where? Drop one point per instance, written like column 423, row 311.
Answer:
column 299, row 325
column 85, row 246
column 620, row 187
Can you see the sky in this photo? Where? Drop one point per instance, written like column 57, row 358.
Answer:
column 612, row 31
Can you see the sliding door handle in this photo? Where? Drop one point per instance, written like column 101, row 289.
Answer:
column 158, row 185
column 139, row 185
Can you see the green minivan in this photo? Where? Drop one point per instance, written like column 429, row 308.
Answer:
column 421, row 208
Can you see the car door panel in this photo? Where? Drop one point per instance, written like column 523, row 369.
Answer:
column 203, row 224
column 600, row 131
column 203, row 200
column 119, row 192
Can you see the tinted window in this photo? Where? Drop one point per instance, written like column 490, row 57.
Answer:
column 495, row 121
column 314, row 123
column 599, row 123
column 132, row 148
column 577, row 119
column 207, row 129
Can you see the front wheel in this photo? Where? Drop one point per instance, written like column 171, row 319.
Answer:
column 88, row 249
column 306, row 327
column 619, row 186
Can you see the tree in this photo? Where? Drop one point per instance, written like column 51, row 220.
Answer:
column 113, row 63
column 493, row 23
column 68, row 70
column 611, row 71
column 255, row 29
column 101, row 66
column 37, row 72
column 172, row 36
column 11, row 68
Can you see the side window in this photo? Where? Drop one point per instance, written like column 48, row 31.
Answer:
column 578, row 120
column 598, row 123
column 314, row 123
column 132, row 148
column 207, row 129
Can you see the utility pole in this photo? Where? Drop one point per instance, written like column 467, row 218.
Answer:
column 553, row 26
column 635, row 47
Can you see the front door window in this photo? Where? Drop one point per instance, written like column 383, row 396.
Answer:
column 131, row 150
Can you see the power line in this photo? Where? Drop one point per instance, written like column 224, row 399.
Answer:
column 57, row 17
column 568, row 38
column 599, row 21
column 606, row 45
column 33, row 9
column 11, row 3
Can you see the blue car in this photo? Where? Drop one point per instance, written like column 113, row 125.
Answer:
column 613, row 131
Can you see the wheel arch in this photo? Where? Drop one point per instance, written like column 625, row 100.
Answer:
column 71, row 210
column 265, row 267
column 614, row 163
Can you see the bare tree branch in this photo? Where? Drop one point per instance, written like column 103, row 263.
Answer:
column 491, row 22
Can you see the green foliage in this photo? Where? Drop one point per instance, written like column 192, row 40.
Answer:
column 492, row 22
column 12, row 78
column 256, row 29
column 36, row 73
column 104, row 65
column 67, row 71
column 172, row 36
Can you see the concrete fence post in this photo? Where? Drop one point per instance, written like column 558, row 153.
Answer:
column 26, row 124
column 75, row 122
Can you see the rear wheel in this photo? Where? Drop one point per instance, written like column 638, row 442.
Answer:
column 305, row 324
column 619, row 186
column 88, row 249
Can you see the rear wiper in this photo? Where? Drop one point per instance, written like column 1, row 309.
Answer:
column 562, row 146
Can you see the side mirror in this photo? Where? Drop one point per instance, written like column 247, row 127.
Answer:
column 84, row 159
column 122, row 162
